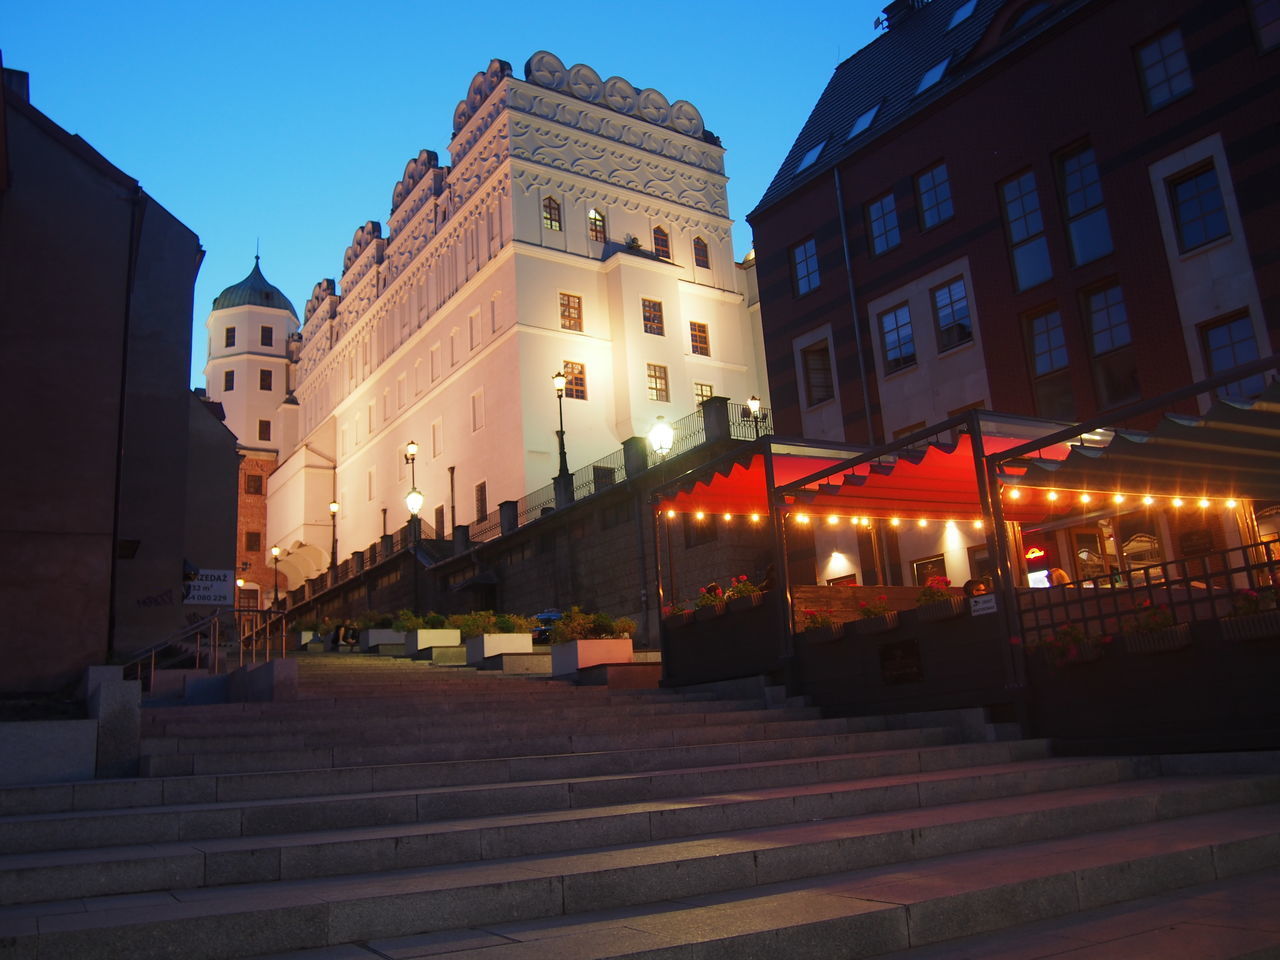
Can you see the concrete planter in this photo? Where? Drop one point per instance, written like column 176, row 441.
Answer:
column 571, row 657
column 492, row 644
column 419, row 642
column 372, row 639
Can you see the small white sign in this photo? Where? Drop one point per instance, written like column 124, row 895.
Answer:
column 982, row 604
column 210, row 588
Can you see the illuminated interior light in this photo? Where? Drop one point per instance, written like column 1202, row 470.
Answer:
column 671, row 514
column 1176, row 501
column 699, row 515
column 893, row 522
column 1202, row 503
column 1231, row 504
column 1015, row 494
column 1118, row 498
column 1052, row 494
column 1148, row 501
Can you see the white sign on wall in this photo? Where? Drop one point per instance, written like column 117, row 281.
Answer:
column 214, row 588
column 982, row 604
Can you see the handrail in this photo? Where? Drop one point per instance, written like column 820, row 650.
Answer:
column 210, row 626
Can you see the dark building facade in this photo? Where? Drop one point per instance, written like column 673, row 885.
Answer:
column 1043, row 208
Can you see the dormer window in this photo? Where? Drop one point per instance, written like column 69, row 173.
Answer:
column 933, row 75
column 808, row 158
column 962, row 13
column 864, row 120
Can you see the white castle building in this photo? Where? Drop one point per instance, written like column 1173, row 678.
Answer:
column 583, row 227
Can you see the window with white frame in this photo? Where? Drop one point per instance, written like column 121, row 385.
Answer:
column 651, row 313
column 702, row 392
column 570, row 312
column 575, row 380
column 1199, row 215
column 1228, row 343
column 699, row 339
column 656, row 376
column 1051, row 381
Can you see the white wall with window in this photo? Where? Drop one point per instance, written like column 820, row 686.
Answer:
column 1209, row 259
column 818, row 385
column 928, row 348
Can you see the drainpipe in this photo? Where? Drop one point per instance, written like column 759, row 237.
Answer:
column 853, row 307
column 453, row 502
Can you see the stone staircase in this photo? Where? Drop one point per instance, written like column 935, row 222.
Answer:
column 396, row 809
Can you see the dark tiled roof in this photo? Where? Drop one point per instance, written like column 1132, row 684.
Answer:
column 885, row 75
column 253, row 290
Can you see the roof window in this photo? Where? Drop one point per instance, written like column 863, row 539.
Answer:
column 933, row 75
column 863, row 121
column 962, row 13
column 808, row 158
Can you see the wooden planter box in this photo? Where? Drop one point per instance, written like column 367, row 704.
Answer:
column 869, row 626
column 492, row 644
column 1159, row 641
column 567, row 658
column 420, row 641
column 1251, row 626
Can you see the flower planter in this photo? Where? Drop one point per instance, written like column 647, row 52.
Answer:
column 940, row 610
column 679, row 619
column 1159, row 641
column 307, row 640
column 373, row 639
column 745, row 602
column 1251, row 626
column 492, row 644
column 869, row 626
column 567, row 658
column 819, row 634
column 418, row 642
column 708, row 611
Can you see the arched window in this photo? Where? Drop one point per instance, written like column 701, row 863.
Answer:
column 661, row 243
column 596, row 229
column 701, row 256
column 550, row 214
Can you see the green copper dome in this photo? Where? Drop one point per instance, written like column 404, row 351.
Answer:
column 253, row 290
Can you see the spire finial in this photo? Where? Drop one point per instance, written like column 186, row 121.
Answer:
column 257, row 250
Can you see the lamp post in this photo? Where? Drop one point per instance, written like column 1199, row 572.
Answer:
column 333, row 552
column 563, row 484
column 275, row 560
column 753, row 408
column 661, row 438
column 413, row 500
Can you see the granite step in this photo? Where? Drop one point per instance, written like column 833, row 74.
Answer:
column 99, row 867
column 963, row 877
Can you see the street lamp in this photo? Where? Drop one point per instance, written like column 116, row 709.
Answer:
column 333, row 553
column 275, row 559
column 413, row 500
column 661, row 437
column 564, row 480
column 753, row 411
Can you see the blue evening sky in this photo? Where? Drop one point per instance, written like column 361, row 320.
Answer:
column 287, row 124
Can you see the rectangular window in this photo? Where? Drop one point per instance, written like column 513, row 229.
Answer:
column 896, row 338
column 1025, row 225
column 1227, row 344
column 439, row 519
column 602, row 477
column 819, row 385
column 477, row 410
column 482, row 502
column 1108, row 321
column 596, row 226
column 657, row 379
column 264, row 429
column 575, row 380
column 570, row 312
column 661, row 243
column 1166, row 75
column 264, row 379
column 229, row 337
column 229, row 380
column 1198, row 212
column 934, row 189
column 1266, row 18
column 951, row 314
column 653, row 322
column 804, row 265
column 268, row 337
column 253, row 483
column 699, row 339
column 550, row 214
column 252, row 541
column 703, row 392
column 933, row 75
column 1052, row 381
column 1087, row 226
column 437, row 437
column 882, row 217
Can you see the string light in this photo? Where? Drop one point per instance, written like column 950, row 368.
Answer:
column 866, row 521
column 832, row 520
column 1148, row 501
column 1085, row 498
column 922, row 522
column 1118, row 498
column 1052, row 494
column 671, row 514
column 755, row 518
column 977, row 524
column 699, row 515
column 893, row 521
column 1176, row 501
column 1231, row 504
column 728, row 516
column 1203, row 503
column 802, row 518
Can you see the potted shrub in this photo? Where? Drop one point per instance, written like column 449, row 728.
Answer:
column 742, row 594
column 488, row 634
column 876, row 617
column 1151, row 629
column 937, row 602
column 1068, row 643
column 377, row 630
column 422, row 633
column 581, row 639
column 1253, row 615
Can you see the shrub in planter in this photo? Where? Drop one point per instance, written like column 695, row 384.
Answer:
column 406, row 620
column 373, row 620
column 577, row 625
